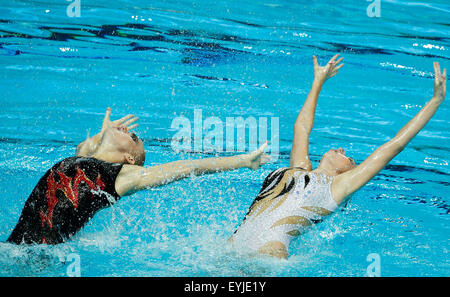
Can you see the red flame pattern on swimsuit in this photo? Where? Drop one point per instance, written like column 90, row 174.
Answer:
column 70, row 187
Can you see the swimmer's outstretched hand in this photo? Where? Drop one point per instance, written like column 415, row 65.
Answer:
column 125, row 122
column 440, row 82
column 258, row 157
column 322, row 73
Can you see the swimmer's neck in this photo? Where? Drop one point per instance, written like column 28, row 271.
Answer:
column 107, row 156
column 323, row 170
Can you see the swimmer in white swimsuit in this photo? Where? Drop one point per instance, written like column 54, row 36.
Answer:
column 293, row 199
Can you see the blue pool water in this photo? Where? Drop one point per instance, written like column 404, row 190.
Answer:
column 249, row 58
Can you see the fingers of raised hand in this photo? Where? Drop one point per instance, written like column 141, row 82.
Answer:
column 339, row 61
column 438, row 76
column 315, row 62
column 335, row 67
column 334, row 58
column 441, row 77
column 132, row 127
column 107, row 114
column 120, row 122
column 332, row 74
column 106, row 118
column 335, row 64
column 437, row 69
column 440, row 81
column 129, row 122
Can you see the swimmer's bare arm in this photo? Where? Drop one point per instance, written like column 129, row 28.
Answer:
column 305, row 119
column 133, row 178
column 90, row 145
column 347, row 183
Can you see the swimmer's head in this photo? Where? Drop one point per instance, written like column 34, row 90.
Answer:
column 336, row 162
column 118, row 145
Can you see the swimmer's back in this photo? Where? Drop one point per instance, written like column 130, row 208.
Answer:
column 65, row 199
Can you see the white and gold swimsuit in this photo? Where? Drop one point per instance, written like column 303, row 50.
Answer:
column 290, row 201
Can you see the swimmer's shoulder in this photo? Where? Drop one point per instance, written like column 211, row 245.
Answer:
column 282, row 172
column 293, row 169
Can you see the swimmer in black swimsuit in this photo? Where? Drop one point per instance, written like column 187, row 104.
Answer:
column 107, row 167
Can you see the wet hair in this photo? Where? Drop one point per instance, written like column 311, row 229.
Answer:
column 139, row 159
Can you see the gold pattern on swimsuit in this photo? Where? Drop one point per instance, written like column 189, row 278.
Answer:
column 292, row 220
column 318, row 210
column 293, row 233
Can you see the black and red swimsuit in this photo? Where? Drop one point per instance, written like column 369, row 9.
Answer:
column 65, row 199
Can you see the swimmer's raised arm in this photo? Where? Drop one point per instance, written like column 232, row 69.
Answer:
column 134, row 178
column 305, row 119
column 347, row 183
column 90, row 144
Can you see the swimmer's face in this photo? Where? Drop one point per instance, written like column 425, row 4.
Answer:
column 125, row 144
column 336, row 161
